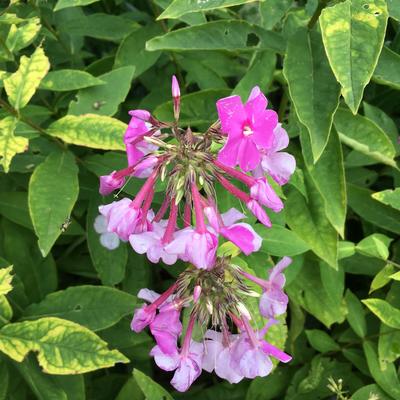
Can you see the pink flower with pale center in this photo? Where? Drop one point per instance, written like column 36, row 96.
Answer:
column 249, row 128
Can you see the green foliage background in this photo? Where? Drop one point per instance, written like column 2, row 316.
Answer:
column 69, row 72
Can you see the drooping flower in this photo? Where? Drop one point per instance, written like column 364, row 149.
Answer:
column 109, row 240
column 249, row 128
column 111, row 182
column 279, row 165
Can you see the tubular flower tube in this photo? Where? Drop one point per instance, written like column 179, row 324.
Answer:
column 176, row 215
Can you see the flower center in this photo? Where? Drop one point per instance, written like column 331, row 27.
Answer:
column 247, row 131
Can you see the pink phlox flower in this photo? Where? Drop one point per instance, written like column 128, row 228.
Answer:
column 199, row 248
column 218, row 356
column 111, row 182
column 274, row 301
column 138, row 127
column 263, row 192
column 109, row 240
column 249, row 127
column 187, row 365
column 279, row 165
column 259, row 212
column 239, row 233
column 151, row 243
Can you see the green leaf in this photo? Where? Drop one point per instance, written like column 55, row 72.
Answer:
column 387, row 72
column 373, row 211
column 181, row 7
column 109, row 264
column 370, row 392
column 394, row 10
column 95, row 307
column 308, row 220
column 151, row 389
column 382, row 278
column 321, row 341
column 72, row 3
column 53, row 191
column 389, row 197
column 90, row 130
column 63, row 347
column 277, row 384
column 355, row 314
column 272, row 11
column 375, row 245
column 280, row 241
column 312, row 86
column 64, row 80
column 231, row 35
column 22, row 36
column 363, row 135
column 4, row 380
column 22, row 84
column 5, row 280
column 389, row 315
column 353, row 32
column 328, row 177
column 395, row 276
column 387, row 379
column 10, row 145
column 104, row 99
column 6, row 312
column 132, row 51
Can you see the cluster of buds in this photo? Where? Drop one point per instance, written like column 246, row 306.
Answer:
column 212, row 290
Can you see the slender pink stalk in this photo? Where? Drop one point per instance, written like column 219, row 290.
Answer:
column 148, row 185
column 147, row 204
column 233, row 189
column 188, row 336
column 261, row 282
column 125, row 172
column 250, row 332
column 171, row 226
column 234, row 173
column 163, row 209
column 163, row 297
column 198, row 210
column 187, row 215
column 237, row 321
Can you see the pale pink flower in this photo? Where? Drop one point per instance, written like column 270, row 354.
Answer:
column 262, row 191
column 111, row 182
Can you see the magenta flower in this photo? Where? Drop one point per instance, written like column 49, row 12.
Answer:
column 279, row 165
column 218, row 355
column 240, row 234
column 249, row 128
column 166, row 328
column 262, row 191
column 108, row 183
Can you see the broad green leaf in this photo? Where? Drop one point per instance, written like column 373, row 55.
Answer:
column 370, row 392
column 276, row 382
column 22, row 36
column 53, row 191
column 388, row 314
column 345, row 249
column 272, row 11
column 280, row 241
column 387, row 379
column 375, row 245
column 151, row 389
column 22, row 84
column 192, row 18
column 308, row 220
column 196, row 108
column 104, row 99
column 260, row 72
column 312, row 86
column 362, row 203
column 63, row 347
column 353, row 32
column 394, row 9
column 95, row 307
column 382, row 278
column 10, row 145
column 90, row 130
column 321, row 341
column 355, row 314
column 109, row 264
column 231, row 35
column 395, row 276
column 329, row 178
column 6, row 312
column 5, row 280
column 387, row 72
column 72, row 3
column 363, row 135
column 389, row 197
column 132, row 52
column 181, row 7
column 68, row 79
column 35, row 276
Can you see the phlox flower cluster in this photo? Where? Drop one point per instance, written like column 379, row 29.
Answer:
column 242, row 153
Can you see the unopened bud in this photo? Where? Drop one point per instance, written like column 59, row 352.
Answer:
column 196, row 293
column 176, row 97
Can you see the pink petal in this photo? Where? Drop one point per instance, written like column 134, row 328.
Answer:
column 228, row 155
column 166, row 327
column 255, row 104
column 109, row 240
column 231, row 113
column 232, row 216
column 281, row 139
column 143, row 317
column 148, row 295
column 276, row 271
column 254, row 363
column 262, row 192
column 108, row 183
column 248, row 155
column 165, row 361
column 273, row 302
column 243, row 236
column 140, row 114
column 263, row 128
column 224, row 368
column 280, row 166
column 275, row 352
column 259, row 213
column 141, row 242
